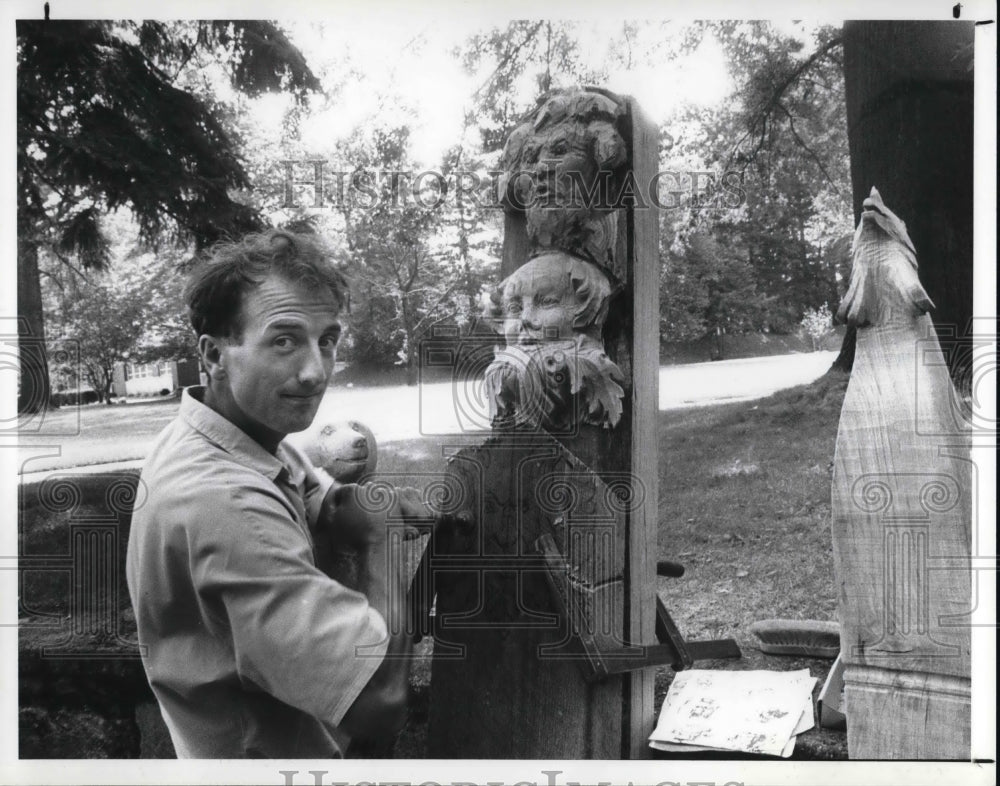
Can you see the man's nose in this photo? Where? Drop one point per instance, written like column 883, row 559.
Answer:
column 314, row 370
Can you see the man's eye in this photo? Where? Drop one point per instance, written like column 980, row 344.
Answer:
column 284, row 342
column 513, row 308
column 559, row 148
column 549, row 300
column 329, row 342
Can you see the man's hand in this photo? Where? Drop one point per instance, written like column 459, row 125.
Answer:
column 352, row 535
column 354, row 517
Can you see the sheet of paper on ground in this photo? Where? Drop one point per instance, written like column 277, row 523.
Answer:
column 748, row 711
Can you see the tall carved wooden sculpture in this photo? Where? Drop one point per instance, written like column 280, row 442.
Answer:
column 571, row 464
column 901, row 508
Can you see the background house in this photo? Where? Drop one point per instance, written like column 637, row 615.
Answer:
column 151, row 379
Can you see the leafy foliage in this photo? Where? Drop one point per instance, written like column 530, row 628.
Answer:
column 786, row 138
column 132, row 311
column 817, row 323
column 104, row 120
column 101, row 123
column 543, row 54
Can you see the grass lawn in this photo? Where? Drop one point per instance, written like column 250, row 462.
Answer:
column 745, row 506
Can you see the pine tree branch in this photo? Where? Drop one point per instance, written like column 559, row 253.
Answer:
column 510, row 55
column 802, row 143
column 760, row 116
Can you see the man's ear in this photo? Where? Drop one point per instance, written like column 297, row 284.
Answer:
column 210, row 351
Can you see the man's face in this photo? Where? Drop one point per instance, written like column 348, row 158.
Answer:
column 539, row 302
column 271, row 379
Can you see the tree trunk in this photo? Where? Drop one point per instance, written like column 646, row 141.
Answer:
column 910, row 118
column 33, row 395
column 107, row 385
column 411, row 367
column 845, row 360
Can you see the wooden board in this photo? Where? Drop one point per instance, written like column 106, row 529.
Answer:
column 644, row 256
column 492, row 696
column 901, row 515
column 505, row 681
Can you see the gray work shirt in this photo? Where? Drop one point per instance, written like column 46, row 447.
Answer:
column 251, row 650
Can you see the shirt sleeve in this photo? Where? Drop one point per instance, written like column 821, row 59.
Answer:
column 297, row 634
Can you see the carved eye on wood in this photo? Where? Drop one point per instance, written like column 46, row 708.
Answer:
column 559, row 147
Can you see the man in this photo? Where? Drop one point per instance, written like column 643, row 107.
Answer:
column 251, row 649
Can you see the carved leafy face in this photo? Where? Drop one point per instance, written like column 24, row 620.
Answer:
column 552, row 298
column 562, row 167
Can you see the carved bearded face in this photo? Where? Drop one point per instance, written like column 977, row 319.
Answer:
column 561, row 164
column 559, row 167
column 553, row 297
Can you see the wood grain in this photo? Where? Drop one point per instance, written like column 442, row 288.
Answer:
column 505, row 682
column 643, row 259
column 901, row 515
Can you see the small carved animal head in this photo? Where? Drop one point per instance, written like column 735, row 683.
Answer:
column 347, row 450
column 884, row 282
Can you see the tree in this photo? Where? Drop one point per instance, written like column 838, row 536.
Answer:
column 907, row 88
column 709, row 288
column 817, row 324
column 105, row 322
column 130, row 312
column 401, row 284
column 102, row 122
column 785, row 136
column 524, row 59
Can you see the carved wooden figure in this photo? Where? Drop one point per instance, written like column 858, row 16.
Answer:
column 572, row 460
column 901, row 509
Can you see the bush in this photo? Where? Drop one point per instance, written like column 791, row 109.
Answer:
column 73, row 398
column 817, row 325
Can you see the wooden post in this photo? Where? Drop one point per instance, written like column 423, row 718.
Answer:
column 901, row 515
column 505, row 681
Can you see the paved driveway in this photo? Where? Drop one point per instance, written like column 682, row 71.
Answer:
column 121, row 435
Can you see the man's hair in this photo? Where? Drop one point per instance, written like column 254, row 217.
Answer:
column 217, row 287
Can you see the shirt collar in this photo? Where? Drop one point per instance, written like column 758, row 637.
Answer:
column 232, row 439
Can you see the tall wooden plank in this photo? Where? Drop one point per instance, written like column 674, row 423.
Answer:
column 902, row 475
column 642, row 545
column 506, row 681
column 901, row 515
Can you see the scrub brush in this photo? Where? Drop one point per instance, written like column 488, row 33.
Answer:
column 812, row 638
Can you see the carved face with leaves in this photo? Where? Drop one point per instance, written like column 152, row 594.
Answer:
column 554, row 371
